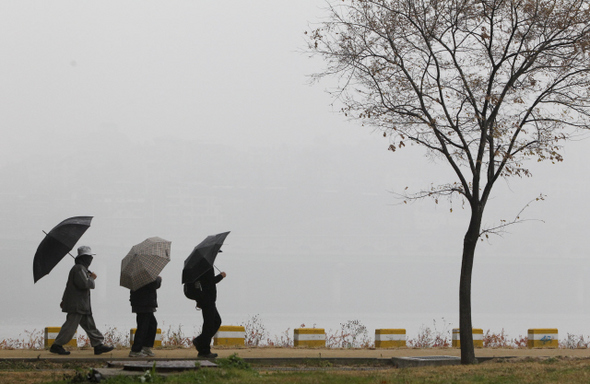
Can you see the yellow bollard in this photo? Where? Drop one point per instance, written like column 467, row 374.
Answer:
column 309, row 337
column 390, row 338
column 230, row 335
column 51, row 334
column 543, row 338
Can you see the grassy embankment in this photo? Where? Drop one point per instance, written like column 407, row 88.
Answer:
column 234, row 370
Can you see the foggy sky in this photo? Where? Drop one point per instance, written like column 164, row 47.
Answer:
column 189, row 118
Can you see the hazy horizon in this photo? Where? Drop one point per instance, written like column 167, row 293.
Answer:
column 187, row 119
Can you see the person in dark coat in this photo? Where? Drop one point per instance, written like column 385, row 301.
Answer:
column 76, row 303
column 144, row 302
column 211, row 317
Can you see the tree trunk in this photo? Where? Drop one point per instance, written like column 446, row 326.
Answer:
column 465, row 326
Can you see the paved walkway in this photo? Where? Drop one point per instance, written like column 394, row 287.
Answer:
column 186, row 353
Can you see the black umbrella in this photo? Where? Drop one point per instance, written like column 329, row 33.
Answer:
column 57, row 243
column 202, row 257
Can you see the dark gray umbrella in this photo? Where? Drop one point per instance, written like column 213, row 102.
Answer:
column 202, row 257
column 57, row 243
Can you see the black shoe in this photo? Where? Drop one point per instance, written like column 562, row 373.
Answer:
column 195, row 343
column 58, row 349
column 207, row 355
column 99, row 349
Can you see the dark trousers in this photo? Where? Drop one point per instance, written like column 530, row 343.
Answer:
column 71, row 325
column 211, row 324
column 145, row 335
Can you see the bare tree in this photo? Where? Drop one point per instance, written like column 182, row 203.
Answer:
column 482, row 85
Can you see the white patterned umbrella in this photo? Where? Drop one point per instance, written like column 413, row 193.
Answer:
column 144, row 262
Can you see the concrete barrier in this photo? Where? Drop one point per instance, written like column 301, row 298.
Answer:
column 390, row 338
column 309, row 337
column 543, row 338
column 52, row 332
column 157, row 342
column 477, row 337
column 230, row 335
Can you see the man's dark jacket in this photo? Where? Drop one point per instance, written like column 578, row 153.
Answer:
column 208, row 281
column 145, row 299
column 76, row 297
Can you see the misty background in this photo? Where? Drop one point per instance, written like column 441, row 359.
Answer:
column 184, row 119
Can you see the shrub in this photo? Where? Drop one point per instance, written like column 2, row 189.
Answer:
column 520, row 342
column 233, row 361
column 428, row 338
column 83, row 341
column 284, row 340
column 352, row 334
column 113, row 337
column 175, row 338
column 255, row 331
column 574, row 342
column 496, row 340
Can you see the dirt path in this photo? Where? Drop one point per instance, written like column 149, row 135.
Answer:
column 86, row 357
column 186, row 353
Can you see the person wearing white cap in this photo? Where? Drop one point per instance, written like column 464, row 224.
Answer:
column 76, row 303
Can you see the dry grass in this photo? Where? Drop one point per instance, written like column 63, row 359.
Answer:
column 518, row 371
column 538, row 371
column 39, row 371
column 35, row 377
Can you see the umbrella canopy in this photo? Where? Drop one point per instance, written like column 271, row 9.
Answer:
column 202, row 257
column 57, row 243
column 144, row 262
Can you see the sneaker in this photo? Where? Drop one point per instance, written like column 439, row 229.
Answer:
column 58, row 349
column 207, row 355
column 137, row 354
column 99, row 349
column 148, row 351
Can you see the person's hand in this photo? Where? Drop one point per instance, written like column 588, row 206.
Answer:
column 93, row 275
column 223, row 274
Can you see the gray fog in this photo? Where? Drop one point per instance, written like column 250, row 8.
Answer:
column 188, row 118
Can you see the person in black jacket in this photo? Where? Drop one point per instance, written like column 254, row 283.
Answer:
column 76, row 303
column 144, row 302
column 211, row 317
